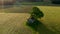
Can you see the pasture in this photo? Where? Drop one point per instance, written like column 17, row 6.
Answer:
column 13, row 21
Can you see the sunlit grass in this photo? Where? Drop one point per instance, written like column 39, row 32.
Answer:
column 51, row 20
column 16, row 9
column 51, row 17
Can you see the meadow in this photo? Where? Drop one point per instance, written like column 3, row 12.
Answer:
column 13, row 20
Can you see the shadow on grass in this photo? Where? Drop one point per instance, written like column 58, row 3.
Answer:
column 40, row 28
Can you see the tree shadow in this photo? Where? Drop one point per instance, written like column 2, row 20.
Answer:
column 40, row 28
column 37, row 25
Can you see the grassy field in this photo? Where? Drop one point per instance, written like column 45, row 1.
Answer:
column 16, row 9
column 51, row 17
column 13, row 20
column 14, row 23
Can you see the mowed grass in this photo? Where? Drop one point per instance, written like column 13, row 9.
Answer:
column 16, row 9
column 51, row 18
column 14, row 23
column 13, row 20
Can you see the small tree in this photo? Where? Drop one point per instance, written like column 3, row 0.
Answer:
column 36, row 13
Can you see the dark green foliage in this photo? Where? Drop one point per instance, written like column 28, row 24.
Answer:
column 34, row 25
column 36, row 13
column 39, row 27
column 55, row 1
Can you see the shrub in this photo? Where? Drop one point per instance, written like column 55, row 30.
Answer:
column 36, row 13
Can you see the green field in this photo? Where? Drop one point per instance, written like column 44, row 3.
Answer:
column 13, row 20
column 51, row 18
column 16, row 9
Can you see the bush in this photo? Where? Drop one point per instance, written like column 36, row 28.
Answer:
column 36, row 13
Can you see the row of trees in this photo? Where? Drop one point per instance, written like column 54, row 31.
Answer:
column 55, row 1
column 30, row 0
